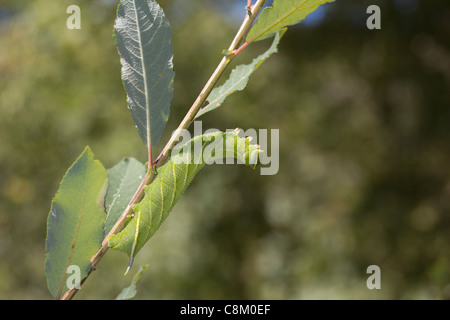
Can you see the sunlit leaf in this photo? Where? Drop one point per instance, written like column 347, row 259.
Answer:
column 282, row 14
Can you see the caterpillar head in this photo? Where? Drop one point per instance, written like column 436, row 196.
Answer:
column 254, row 160
column 252, row 156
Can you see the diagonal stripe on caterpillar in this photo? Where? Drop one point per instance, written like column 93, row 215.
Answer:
column 172, row 180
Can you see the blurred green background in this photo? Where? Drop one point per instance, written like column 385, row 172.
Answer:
column 364, row 177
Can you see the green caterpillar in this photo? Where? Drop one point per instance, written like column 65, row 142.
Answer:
column 172, row 180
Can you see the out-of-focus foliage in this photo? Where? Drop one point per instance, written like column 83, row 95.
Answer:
column 364, row 152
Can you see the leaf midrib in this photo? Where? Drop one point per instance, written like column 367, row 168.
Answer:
column 144, row 71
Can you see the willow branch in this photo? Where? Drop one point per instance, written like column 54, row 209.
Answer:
column 188, row 119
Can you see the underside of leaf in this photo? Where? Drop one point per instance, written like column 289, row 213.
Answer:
column 143, row 38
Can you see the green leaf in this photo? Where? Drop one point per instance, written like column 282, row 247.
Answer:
column 129, row 292
column 239, row 78
column 143, row 39
column 171, row 181
column 75, row 225
column 124, row 179
column 282, row 14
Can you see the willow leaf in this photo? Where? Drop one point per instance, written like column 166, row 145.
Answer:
column 75, row 228
column 143, row 38
column 124, row 179
column 239, row 78
column 282, row 14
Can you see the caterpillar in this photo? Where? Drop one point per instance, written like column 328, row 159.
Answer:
column 171, row 181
